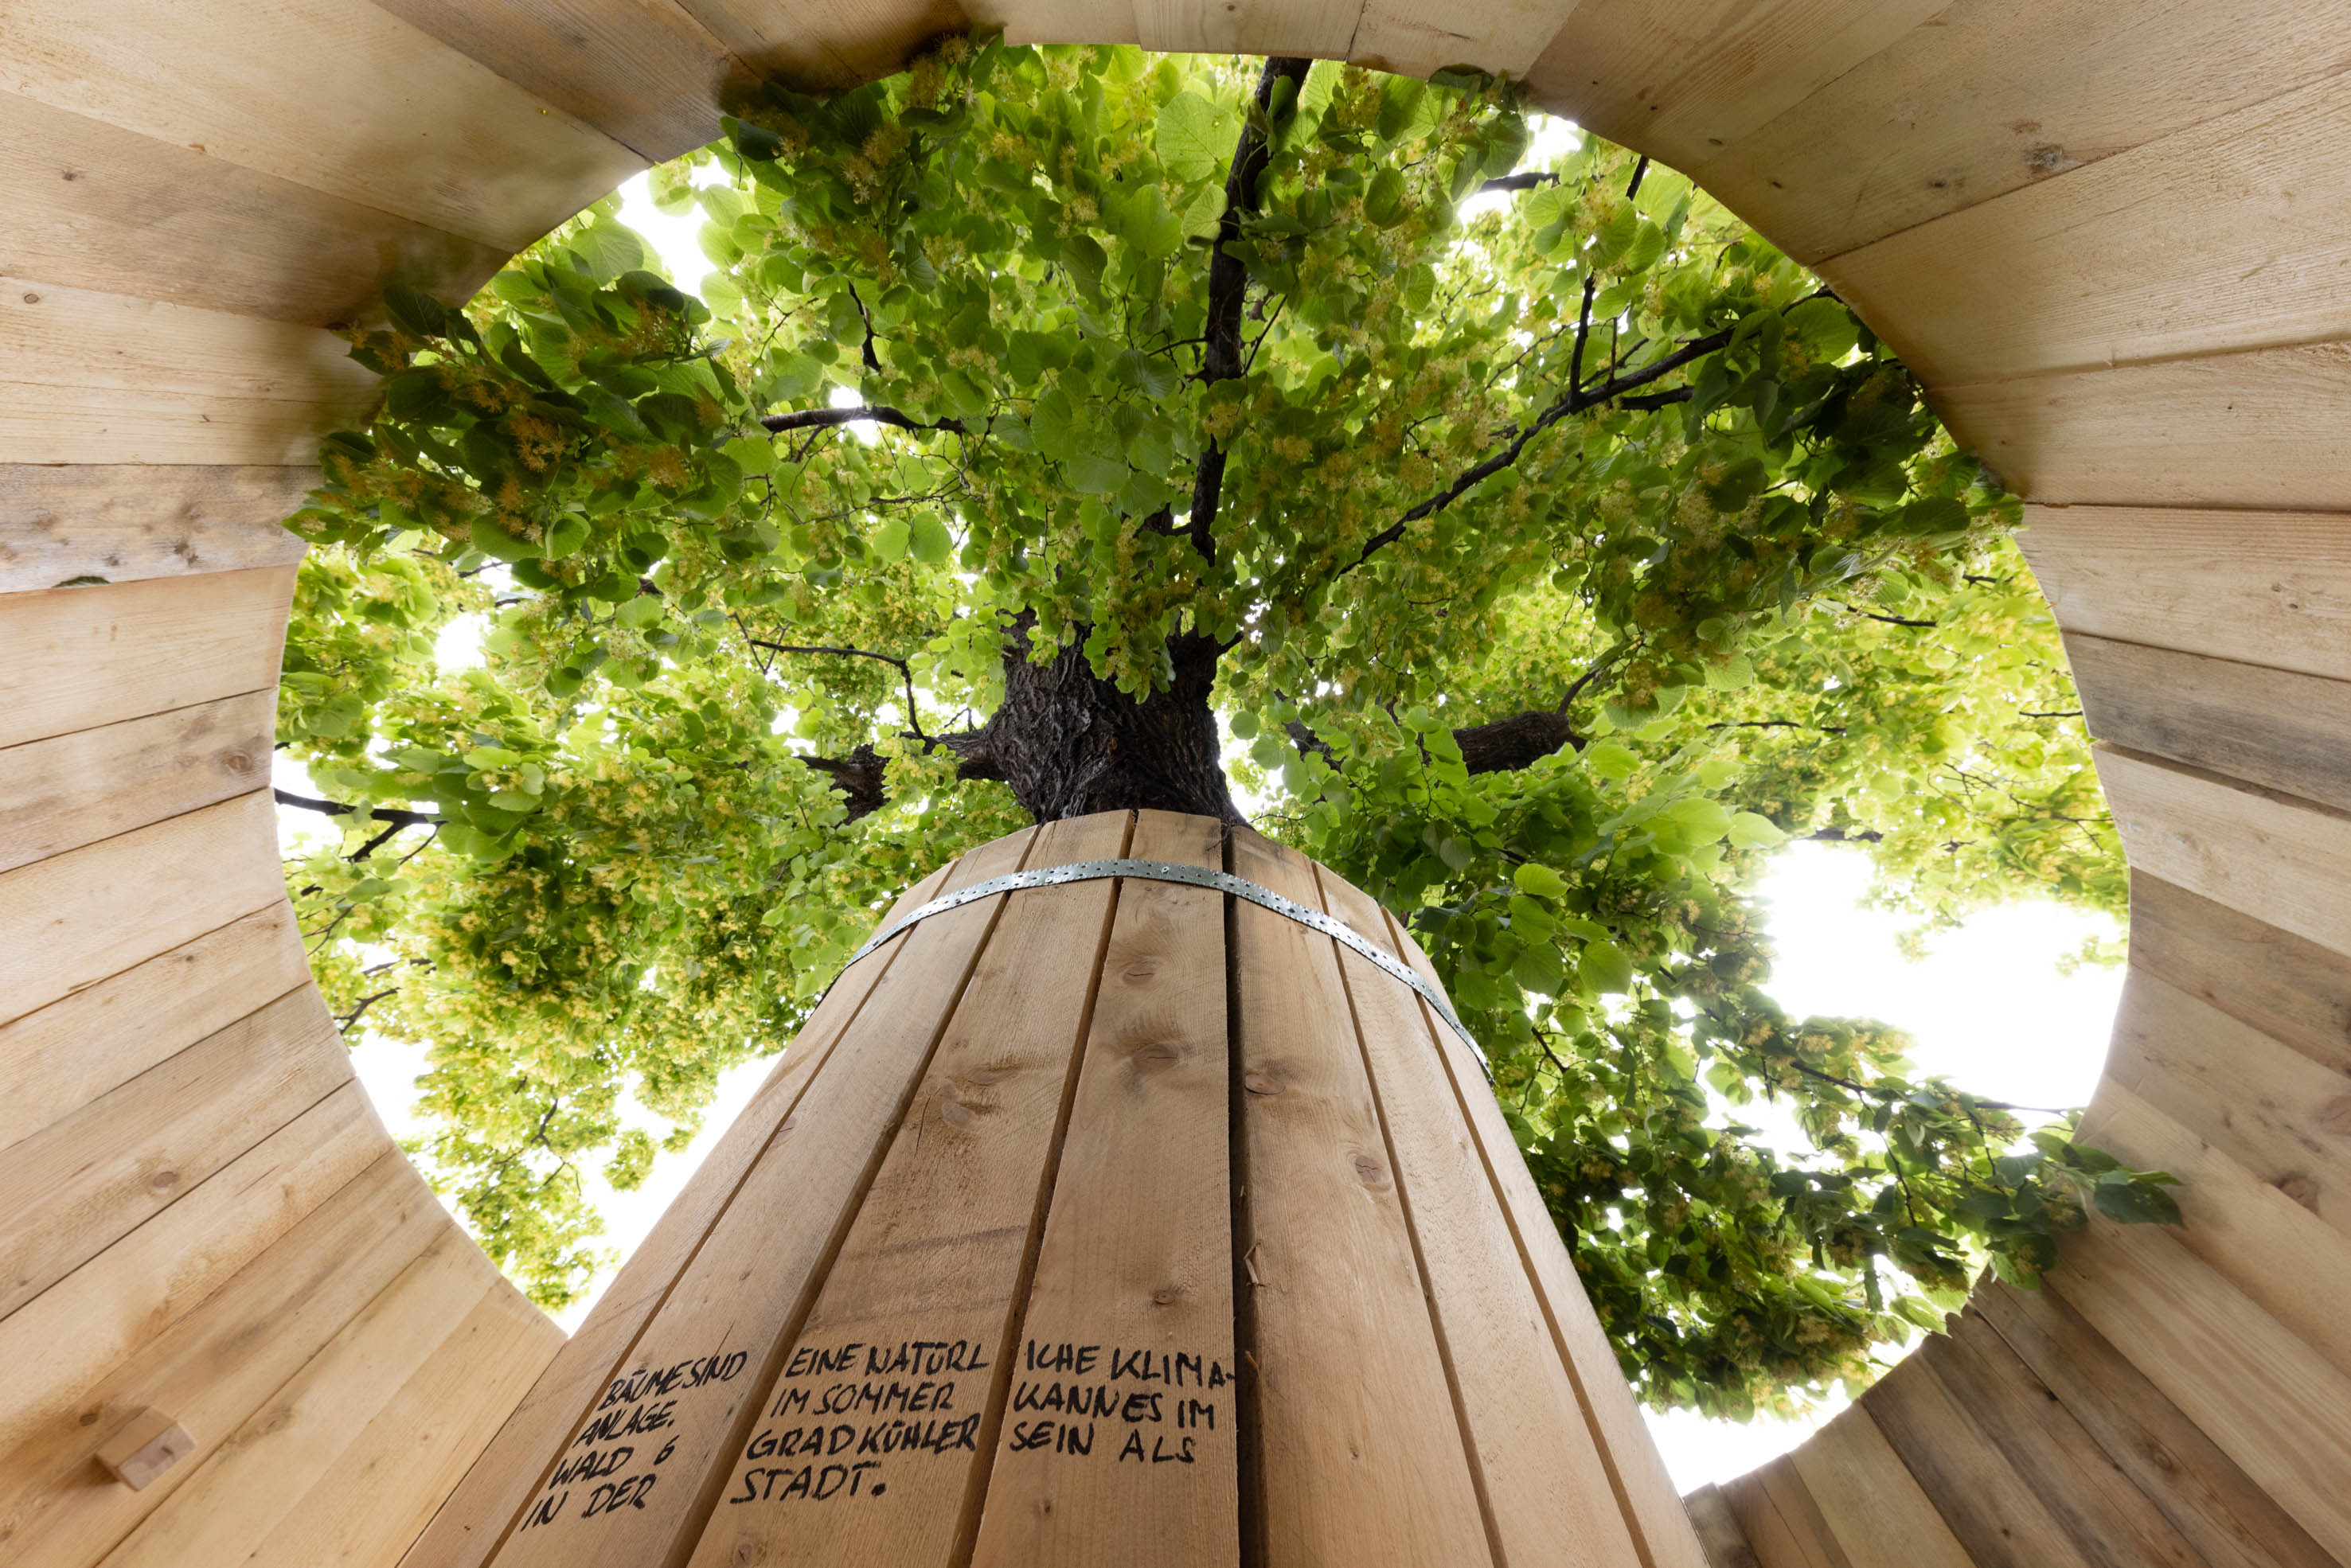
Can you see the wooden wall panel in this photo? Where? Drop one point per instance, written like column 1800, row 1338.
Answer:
column 2291, row 989
column 101, row 208
column 119, row 524
column 2260, row 587
column 82, row 657
column 165, row 765
column 1869, row 1501
column 63, row 1056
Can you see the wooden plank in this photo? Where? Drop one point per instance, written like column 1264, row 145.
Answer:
column 2200, row 1488
column 258, row 1478
column 1148, row 1135
column 69, row 790
column 2290, row 988
column 337, row 94
column 371, row 1501
column 1636, row 1472
column 2261, row 588
column 79, row 1184
column 2093, row 1499
column 1988, row 96
column 93, row 204
column 2268, row 855
column 2262, row 1237
column 1539, row 1476
column 1991, row 1510
column 1868, row 1501
column 2261, row 429
column 2272, row 727
column 122, row 524
column 216, row 1365
column 76, row 918
column 112, row 378
column 1719, row 1533
column 1322, row 28
column 75, row 1332
column 2269, row 1401
column 2021, row 285
column 1781, row 1522
column 1413, row 39
column 1054, row 21
column 2283, row 1117
column 642, row 71
column 1361, row 1455
column 925, row 1291
column 82, row 657
column 819, row 47
column 71, row 1051
column 738, row 1304
column 485, row 1504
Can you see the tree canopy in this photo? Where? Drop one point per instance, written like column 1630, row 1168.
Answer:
column 1066, row 429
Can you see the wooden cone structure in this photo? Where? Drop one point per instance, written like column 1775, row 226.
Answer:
column 1118, row 1222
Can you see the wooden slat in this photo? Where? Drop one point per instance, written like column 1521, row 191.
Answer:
column 90, row 1323
column 101, row 208
column 69, row 790
column 366, row 1506
column 2200, row 1488
column 2261, row 1236
column 2272, row 727
column 1782, row 1525
column 475, row 1520
column 937, row 1258
column 337, row 94
column 92, row 377
column 1661, row 1530
column 738, row 1303
column 82, row 657
column 257, row 1478
column 79, row 1184
column 1361, row 1455
column 816, row 46
column 2260, row 429
column 1054, row 21
column 1539, row 1475
column 1868, row 1499
column 1719, row 1533
column 1991, row 1510
column 2266, row 1400
column 76, row 918
column 1989, row 96
column 75, row 1049
column 1322, row 28
column 1148, row 1135
column 2096, row 1501
column 642, row 71
column 215, row 1367
column 122, row 523
column 2290, row 988
column 2020, row 286
column 2261, row 587
column 2267, row 855
column 1416, row 38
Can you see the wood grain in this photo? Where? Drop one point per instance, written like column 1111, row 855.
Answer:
column 2290, row 988
column 2260, row 429
column 1868, row 1499
column 75, row 919
column 2260, row 587
column 1413, row 39
column 1719, row 1533
column 337, row 94
column 2272, row 727
column 2268, row 855
column 122, row 524
column 73, row 789
column 1147, row 1135
column 1782, row 1525
column 101, row 208
column 1361, row 1454
column 2200, row 1488
column 82, row 657
column 2270, row 1403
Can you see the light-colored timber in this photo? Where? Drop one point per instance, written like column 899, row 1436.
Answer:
column 2110, row 238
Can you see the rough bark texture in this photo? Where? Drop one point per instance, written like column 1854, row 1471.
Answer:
column 1514, row 742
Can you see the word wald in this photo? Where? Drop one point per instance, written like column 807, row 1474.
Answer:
column 637, row 1403
column 1059, row 1413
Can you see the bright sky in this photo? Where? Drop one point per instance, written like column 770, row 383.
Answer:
column 1987, row 1007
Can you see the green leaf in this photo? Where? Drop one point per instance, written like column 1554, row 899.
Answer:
column 1192, row 138
column 2135, row 1202
column 1539, row 880
column 1752, row 831
column 1383, row 199
column 890, row 539
column 929, row 540
column 1605, row 969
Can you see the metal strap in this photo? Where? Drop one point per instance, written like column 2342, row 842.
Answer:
column 1191, row 876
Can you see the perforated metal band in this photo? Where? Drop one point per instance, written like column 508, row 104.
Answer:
column 1191, row 876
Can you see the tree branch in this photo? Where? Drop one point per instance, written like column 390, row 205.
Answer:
column 905, row 670
column 398, row 816
column 880, row 413
column 1527, row 182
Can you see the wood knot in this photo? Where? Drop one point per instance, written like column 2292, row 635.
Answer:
column 954, row 1112
column 1158, row 1053
column 164, row 1181
column 1370, row 1171
column 2337, row 1117
column 237, row 762
column 1140, row 972
column 1166, row 1295
column 1261, row 1084
column 2299, row 1187
column 984, row 1076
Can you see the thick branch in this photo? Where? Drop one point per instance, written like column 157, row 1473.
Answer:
column 398, row 816
column 1519, row 741
column 1526, row 182
column 859, row 775
column 880, row 413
